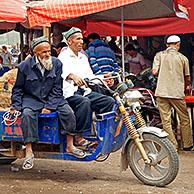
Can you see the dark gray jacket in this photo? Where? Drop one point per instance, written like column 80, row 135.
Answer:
column 35, row 91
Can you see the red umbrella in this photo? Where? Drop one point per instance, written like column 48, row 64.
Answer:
column 147, row 27
column 47, row 11
column 12, row 11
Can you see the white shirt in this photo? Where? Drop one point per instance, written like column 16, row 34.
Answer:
column 40, row 67
column 77, row 65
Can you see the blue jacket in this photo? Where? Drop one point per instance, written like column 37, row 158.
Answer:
column 32, row 90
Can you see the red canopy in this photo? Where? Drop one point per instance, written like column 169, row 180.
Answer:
column 46, row 12
column 12, row 11
column 148, row 27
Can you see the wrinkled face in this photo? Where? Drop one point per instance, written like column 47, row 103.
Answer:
column 75, row 42
column 43, row 51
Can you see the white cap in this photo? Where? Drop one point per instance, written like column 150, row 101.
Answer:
column 173, row 39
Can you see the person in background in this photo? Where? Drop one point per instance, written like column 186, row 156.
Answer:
column 127, row 40
column 24, row 53
column 7, row 58
column 172, row 69
column 156, row 46
column 1, row 62
column 14, row 53
column 113, row 45
column 85, row 46
column 30, row 54
column 135, row 61
column 101, row 57
column 38, row 89
column 83, row 101
column 59, row 47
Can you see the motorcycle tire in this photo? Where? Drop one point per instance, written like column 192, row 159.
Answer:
column 164, row 165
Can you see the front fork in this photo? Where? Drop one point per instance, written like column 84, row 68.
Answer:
column 131, row 128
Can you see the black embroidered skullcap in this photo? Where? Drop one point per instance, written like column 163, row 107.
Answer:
column 39, row 40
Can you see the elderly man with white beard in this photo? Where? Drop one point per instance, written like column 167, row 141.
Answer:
column 38, row 89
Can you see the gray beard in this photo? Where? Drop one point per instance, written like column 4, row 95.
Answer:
column 47, row 63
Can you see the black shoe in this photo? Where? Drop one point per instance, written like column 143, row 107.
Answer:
column 191, row 148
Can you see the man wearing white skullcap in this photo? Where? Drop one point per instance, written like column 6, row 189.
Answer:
column 172, row 69
column 173, row 39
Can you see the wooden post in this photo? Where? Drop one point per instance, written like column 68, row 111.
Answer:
column 46, row 31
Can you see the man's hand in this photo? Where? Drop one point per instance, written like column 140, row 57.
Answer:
column 45, row 111
column 188, row 90
column 155, row 72
column 77, row 80
column 12, row 110
column 188, row 86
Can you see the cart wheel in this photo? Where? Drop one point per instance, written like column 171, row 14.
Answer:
column 3, row 158
column 6, row 159
column 102, row 157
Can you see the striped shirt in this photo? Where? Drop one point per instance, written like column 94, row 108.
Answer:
column 101, row 58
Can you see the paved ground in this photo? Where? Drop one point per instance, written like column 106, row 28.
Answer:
column 57, row 177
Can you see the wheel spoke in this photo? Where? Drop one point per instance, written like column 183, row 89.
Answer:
column 147, row 170
column 151, row 147
column 162, row 154
column 137, row 157
column 161, row 169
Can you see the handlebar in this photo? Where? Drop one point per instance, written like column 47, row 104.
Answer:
column 90, row 82
column 150, row 94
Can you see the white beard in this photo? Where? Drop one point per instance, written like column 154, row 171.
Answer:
column 47, row 63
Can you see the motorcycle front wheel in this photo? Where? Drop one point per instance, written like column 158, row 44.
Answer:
column 164, row 164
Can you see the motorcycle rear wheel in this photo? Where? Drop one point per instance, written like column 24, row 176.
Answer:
column 164, row 165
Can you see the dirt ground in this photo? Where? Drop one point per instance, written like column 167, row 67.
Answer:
column 67, row 177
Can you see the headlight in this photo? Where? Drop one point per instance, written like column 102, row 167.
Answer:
column 132, row 96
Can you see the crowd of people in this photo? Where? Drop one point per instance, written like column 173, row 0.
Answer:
column 52, row 78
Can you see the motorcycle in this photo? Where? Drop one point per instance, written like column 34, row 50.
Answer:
column 144, row 79
column 146, row 150
column 145, row 82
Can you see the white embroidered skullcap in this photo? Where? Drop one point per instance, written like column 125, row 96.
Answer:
column 173, row 39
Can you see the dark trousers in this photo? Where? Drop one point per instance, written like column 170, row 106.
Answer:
column 83, row 106
column 29, row 122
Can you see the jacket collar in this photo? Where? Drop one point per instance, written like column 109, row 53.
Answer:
column 51, row 73
column 34, row 61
